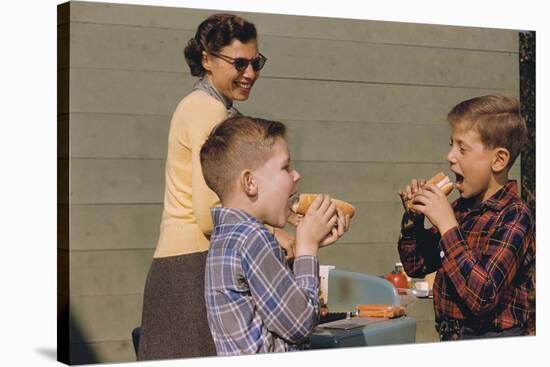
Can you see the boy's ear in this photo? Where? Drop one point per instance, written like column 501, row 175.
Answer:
column 501, row 159
column 206, row 62
column 248, row 183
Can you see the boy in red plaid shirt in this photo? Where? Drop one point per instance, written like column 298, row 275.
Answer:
column 483, row 244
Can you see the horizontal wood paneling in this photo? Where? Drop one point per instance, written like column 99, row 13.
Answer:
column 127, row 92
column 110, row 272
column 115, row 227
column 157, row 93
column 134, row 226
column 129, row 48
column 117, row 181
column 119, row 136
column 138, row 136
column 360, row 142
column 339, row 101
column 146, row 136
column 126, row 181
column 364, row 182
column 108, row 317
column 123, row 181
column 304, row 26
column 152, row 49
column 382, row 63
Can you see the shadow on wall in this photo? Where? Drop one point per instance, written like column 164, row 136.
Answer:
column 72, row 348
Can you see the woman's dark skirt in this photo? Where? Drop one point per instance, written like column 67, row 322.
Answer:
column 174, row 323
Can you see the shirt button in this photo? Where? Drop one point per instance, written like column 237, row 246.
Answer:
column 442, row 254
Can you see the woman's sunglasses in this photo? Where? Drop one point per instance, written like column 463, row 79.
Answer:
column 240, row 63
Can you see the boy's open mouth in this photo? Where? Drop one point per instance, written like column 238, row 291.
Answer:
column 459, row 179
column 293, row 199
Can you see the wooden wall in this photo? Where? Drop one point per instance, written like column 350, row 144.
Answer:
column 365, row 103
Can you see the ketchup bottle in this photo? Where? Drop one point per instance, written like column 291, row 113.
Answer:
column 398, row 277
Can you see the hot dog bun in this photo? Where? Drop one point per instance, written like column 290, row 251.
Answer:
column 303, row 202
column 380, row 310
column 440, row 180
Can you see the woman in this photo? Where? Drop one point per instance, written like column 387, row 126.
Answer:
column 224, row 54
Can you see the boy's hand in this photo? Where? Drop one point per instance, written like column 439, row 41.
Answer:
column 410, row 190
column 294, row 218
column 341, row 227
column 316, row 224
column 433, row 203
column 286, row 241
column 412, row 216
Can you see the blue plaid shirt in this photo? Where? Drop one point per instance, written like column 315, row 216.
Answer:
column 255, row 302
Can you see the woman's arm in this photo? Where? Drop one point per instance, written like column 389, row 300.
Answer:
column 202, row 114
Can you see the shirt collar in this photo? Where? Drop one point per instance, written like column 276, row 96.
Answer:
column 206, row 86
column 222, row 215
column 503, row 196
column 496, row 202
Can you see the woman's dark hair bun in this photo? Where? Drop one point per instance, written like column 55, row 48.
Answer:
column 193, row 57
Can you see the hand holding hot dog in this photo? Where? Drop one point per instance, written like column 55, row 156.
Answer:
column 429, row 199
column 432, row 202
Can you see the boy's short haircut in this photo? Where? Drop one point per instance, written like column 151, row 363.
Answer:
column 236, row 144
column 496, row 118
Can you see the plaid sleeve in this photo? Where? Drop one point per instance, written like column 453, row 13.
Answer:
column 481, row 276
column 287, row 302
column 418, row 250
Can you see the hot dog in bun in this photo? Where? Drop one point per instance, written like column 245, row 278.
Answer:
column 302, row 203
column 440, row 180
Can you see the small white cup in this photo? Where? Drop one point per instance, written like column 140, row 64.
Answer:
column 323, row 284
column 422, row 285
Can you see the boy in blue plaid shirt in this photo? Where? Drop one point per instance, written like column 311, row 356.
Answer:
column 256, row 302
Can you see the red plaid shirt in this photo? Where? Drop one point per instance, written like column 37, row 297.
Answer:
column 482, row 265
